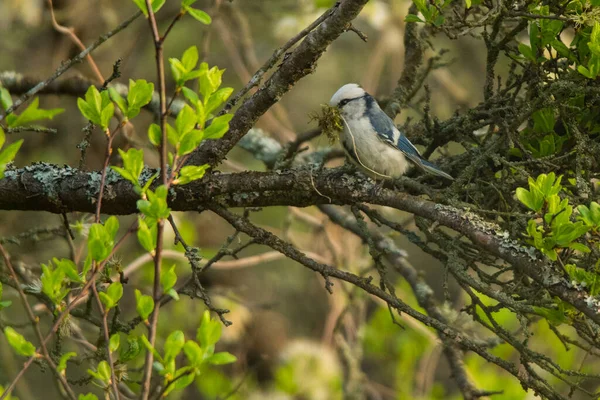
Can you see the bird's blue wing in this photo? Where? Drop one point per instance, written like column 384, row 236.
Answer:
column 383, row 125
column 408, row 148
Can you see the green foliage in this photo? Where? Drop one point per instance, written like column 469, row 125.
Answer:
column 155, row 207
column 88, row 396
column 198, row 15
column 111, row 297
column 18, row 342
column 590, row 216
column 184, row 70
column 55, row 279
column 557, row 231
column 101, row 239
column 97, row 107
column 4, row 303
column 114, row 342
column 198, row 354
column 133, row 164
column 540, row 190
column 168, row 278
column 139, row 94
column 32, row 113
column 62, row 363
column 143, row 304
column 191, row 173
column 147, row 234
column 5, row 99
column 431, row 12
column 8, row 154
column 102, row 373
column 8, row 396
column 133, row 349
column 209, row 332
column 156, row 5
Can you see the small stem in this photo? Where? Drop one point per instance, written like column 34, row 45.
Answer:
column 35, row 322
column 107, row 341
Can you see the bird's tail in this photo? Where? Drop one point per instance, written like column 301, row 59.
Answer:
column 433, row 169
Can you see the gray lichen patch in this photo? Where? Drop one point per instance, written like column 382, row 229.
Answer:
column 489, row 228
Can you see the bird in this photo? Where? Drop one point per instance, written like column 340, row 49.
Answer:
column 372, row 141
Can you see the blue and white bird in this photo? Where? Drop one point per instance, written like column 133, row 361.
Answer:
column 371, row 140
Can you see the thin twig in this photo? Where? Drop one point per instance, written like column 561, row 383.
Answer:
column 65, row 66
column 36, row 326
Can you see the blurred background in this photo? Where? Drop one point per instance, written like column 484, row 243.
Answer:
column 293, row 340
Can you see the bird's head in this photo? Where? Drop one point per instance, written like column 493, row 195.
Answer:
column 346, row 94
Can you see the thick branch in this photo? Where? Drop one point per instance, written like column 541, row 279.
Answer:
column 45, row 187
column 295, row 66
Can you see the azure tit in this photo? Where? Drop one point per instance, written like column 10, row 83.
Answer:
column 371, row 140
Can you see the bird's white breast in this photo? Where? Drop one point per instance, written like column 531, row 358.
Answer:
column 371, row 154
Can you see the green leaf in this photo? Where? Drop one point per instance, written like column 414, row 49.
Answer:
column 198, row 15
column 32, row 113
column 579, row 247
column 106, row 115
column 149, row 347
column 133, row 163
column 5, row 99
column 543, row 120
column 147, row 235
column 156, row 5
column 168, row 278
column 114, row 342
column 190, row 95
column 187, row 2
column 209, row 331
column 189, row 59
column 585, row 72
column 173, row 345
column 116, row 97
column 186, row 121
column 178, row 71
column 172, row 135
column 8, row 154
column 113, row 294
column 18, row 342
column 184, row 381
column 2, row 137
column 100, row 242
column 155, row 135
column 218, row 127
column 527, row 52
column 217, row 99
column 112, row 226
column 140, row 94
column 132, row 351
column 53, row 283
column 156, row 205
column 144, row 304
column 590, row 216
column 62, row 363
column 221, row 358
column 553, row 316
column 89, row 396
column 468, row 3
column 191, row 173
column 189, row 142
column 533, row 200
column 171, row 292
column 69, row 268
column 193, row 352
column 102, row 372
column 96, row 107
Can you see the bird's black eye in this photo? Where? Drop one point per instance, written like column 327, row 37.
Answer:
column 344, row 102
